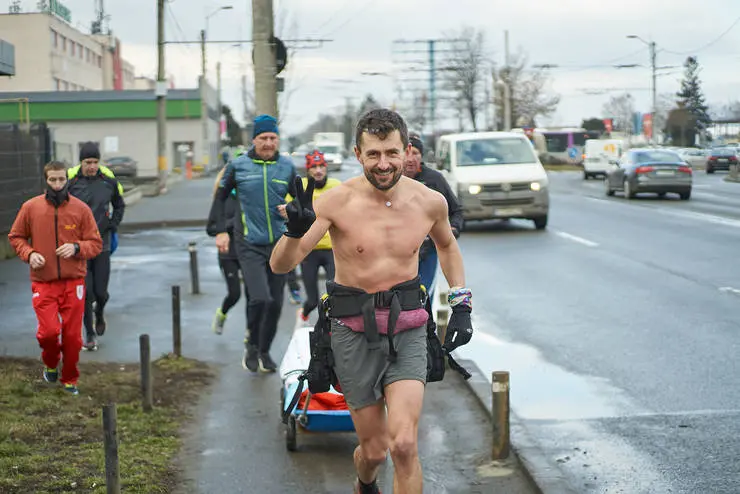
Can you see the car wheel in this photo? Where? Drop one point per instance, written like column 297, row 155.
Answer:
column 710, row 170
column 685, row 196
column 661, row 195
column 540, row 223
column 607, row 188
column 586, row 175
column 628, row 192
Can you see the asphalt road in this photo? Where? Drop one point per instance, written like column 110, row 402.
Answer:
column 619, row 325
column 236, row 442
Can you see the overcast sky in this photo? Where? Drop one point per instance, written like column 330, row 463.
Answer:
column 583, row 37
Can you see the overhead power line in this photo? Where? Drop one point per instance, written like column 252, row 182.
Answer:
column 711, row 43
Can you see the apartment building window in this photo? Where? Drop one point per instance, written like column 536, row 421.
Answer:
column 100, row 61
column 58, row 84
column 65, row 86
column 73, row 45
column 64, row 43
column 80, row 51
column 54, row 39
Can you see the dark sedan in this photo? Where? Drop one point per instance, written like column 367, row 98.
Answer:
column 657, row 171
column 122, row 166
column 721, row 159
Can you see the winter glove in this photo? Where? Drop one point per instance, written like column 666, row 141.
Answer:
column 300, row 210
column 459, row 328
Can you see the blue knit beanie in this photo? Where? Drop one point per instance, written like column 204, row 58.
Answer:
column 264, row 123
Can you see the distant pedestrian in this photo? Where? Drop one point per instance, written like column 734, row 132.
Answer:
column 228, row 260
column 55, row 234
column 97, row 186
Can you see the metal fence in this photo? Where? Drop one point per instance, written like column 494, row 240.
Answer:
column 24, row 150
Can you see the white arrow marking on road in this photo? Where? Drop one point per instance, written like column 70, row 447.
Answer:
column 576, row 239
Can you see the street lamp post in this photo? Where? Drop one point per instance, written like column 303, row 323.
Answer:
column 203, row 87
column 653, row 79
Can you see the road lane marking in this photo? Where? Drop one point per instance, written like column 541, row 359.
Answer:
column 574, row 238
column 729, row 289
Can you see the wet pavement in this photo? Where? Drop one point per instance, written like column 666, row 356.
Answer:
column 619, row 327
column 237, row 443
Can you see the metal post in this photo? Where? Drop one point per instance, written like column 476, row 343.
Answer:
column 110, row 442
column 432, row 84
column 265, row 85
column 500, row 412
column 653, row 57
column 161, row 93
column 176, row 340
column 194, row 281
column 145, row 366
column 204, row 102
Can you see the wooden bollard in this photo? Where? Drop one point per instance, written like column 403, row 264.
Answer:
column 194, row 280
column 110, row 442
column 176, row 330
column 500, row 413
column 145, row 365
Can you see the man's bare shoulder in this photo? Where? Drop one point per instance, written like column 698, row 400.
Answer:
column 433, row 201
column 332, row 198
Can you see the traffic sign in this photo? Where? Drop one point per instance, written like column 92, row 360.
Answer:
column 281, row 54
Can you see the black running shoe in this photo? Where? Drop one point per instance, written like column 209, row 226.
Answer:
column 250, row 359
column 266, row 363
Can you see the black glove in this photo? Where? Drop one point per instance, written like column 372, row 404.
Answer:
column 426, row 246
column 459, row 328
column 300, row 210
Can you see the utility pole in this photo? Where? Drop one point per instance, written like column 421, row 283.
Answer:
column 161, row 93
column 265, row 84
column 204, row 100
column 653, row 87
column 428, row 65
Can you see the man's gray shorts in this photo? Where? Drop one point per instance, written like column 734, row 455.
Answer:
column 364, row 373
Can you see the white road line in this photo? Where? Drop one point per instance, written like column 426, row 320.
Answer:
column 729, row 289
column 576, row 239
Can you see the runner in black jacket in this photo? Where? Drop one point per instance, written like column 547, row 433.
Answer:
column 414, row 168
column 97, row 187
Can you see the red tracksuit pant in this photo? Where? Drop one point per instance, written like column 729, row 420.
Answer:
column 59, row 307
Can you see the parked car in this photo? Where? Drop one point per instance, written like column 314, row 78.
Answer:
column 122, row 166
column 721, row 159
column 658, row 171
column 695, row 157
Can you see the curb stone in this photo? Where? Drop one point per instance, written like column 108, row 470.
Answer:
column 537, row 467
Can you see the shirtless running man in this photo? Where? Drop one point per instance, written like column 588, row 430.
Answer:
column 377, row 223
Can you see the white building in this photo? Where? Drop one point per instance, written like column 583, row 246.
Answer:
column 52, row 55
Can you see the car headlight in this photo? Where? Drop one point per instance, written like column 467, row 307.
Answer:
column 535, row 186
column 474, row 189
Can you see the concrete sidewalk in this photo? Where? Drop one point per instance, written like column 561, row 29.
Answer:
column 185, row 204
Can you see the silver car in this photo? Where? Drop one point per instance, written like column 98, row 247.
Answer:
column 657, row 171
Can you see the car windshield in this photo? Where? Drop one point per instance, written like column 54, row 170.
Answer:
column 495, row 151
column 723, row 152
column 329, row 149
column 118, row 160
column 657, row 157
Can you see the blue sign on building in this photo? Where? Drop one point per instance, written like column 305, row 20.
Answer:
column 637, row 123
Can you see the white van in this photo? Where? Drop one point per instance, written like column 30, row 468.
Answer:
column 495, row 175
column 597, row 155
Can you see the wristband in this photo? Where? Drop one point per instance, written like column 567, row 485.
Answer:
column 460, row 296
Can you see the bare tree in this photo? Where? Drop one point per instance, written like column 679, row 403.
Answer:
column 621, row 108
column 666, row 102
column 529, row 96
column 464, row 72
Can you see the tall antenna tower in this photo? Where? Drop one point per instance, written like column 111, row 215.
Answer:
column 100, row 24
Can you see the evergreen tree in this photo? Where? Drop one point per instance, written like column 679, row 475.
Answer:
column 691, row 96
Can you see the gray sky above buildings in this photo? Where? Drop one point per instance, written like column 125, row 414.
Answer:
column 583, row 37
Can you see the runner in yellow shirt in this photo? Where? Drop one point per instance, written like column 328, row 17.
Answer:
column 321, row 255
